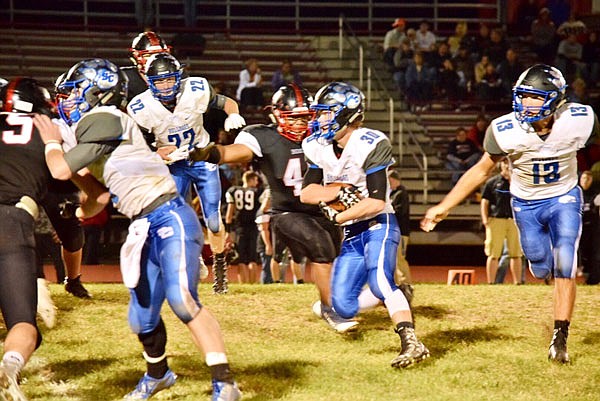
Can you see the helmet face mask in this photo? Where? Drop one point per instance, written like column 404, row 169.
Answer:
column 88, row 84
column 25, row 95
column 163, row 73
column 291, row 112
column 337, row 105
column 542, row 82
column 144, row 46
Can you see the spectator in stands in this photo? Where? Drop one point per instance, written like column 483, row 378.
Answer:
column 454, row 41
column 287, row 74
column 426, row 40
column 498, row 46
column 480, row 68
column 419, row 83
column 591, row 57
column 569, row 57
column 577, row 92
column 392, row 40
column 509, row 70
column 437, row 58
column 477, row 131
column 496, row 216
column 449, row 84
column 572, row 26
column 589, row 254
column 462, row 154
column 465, row 68
column 490, row 86
column 479, row 42
column 411, row 34
column 543, row 36
column 402, row 60
column 249, row 92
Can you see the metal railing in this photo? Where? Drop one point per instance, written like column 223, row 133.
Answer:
column 238, row 16
column 420, row 157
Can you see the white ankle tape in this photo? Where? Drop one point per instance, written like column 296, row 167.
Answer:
column 151, row 359
column 215, row 358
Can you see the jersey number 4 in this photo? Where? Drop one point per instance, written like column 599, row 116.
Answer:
column 18, row 136
column 292, row 177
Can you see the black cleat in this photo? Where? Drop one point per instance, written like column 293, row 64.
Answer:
column 74, row 286
column 558, row 347
column 413, row 350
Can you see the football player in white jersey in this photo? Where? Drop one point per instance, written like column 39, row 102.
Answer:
column 341, row 151
column 159, row 259
column 172, row 110
column 541, row 138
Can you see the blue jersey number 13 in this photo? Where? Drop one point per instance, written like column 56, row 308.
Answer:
column 550, row 170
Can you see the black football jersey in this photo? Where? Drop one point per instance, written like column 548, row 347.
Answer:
column 136, row 84
column 283, row 164
column 246, row 201
column 23, row 169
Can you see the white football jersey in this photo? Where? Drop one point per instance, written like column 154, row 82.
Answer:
column 134, row 175
column 366, row 151
column 542, row 168
column 183, row 126
column 67, row 133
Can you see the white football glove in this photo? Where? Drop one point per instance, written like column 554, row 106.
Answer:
column 234, row 121
column 180, row 153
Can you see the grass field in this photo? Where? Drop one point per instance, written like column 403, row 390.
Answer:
column 486, row 343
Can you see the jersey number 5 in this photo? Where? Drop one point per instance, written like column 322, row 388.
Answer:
column 18, row 136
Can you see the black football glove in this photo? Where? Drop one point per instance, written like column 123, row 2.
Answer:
column 349, row 196
column 328, row 211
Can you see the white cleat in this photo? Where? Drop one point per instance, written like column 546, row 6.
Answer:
column 203, row 269
column 334, row 320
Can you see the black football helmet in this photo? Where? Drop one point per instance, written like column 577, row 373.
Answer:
column 145, row 45
column 540, row 80
column 26, row 95
column 345, row 101
column 290, row 107
column 90, row 83
column 163, row 66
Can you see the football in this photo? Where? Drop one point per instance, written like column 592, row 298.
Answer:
column 345, row 200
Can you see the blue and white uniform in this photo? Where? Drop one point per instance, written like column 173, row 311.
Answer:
column 368, row 253
column 142, row 188
column 546, row 198
column 180, row 127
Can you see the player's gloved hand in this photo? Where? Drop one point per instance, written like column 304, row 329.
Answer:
column 234, row 121
column 328, row 211
column 349, row 196
column 180, row 153
column 209, row 153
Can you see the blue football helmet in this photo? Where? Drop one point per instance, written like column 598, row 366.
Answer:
column 162, row 66
column 90, row 83
column 540, row 80
column 345, row 101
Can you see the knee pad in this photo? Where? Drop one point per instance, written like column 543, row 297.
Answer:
column 213, row 222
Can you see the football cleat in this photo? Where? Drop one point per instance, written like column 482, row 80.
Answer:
column 413, row 350
column 220, row 273
column 148, row 386
column 45, row 306
column 223, row 391
column 558, row 347
column 334, row 320
column 74, row 286
column 9, row 385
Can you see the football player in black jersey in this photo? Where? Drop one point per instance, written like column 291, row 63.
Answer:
column 242, row 204
column 24, row 179
column 276, row 149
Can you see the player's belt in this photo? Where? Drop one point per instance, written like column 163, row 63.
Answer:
column 354, row 229
column 29, row 205
column 161, row 200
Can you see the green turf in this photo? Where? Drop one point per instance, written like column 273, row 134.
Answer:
column 486, row 343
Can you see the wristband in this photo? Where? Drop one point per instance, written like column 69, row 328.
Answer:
column 50, row 146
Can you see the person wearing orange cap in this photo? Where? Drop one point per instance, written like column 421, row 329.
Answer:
column 392, row 40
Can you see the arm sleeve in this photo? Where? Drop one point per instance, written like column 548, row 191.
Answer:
column 595, row 135
column 312, row 176
column 490, row 145
column 377, row 184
